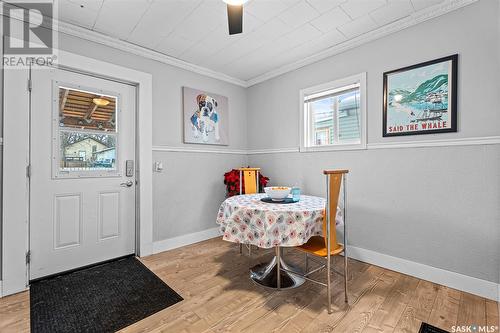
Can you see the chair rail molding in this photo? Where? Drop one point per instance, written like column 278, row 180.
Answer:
column 189, row 149
column 273, row 151
column 486, row 140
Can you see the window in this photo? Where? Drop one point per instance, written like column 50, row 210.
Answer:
column 85, row 132
column 333, row 115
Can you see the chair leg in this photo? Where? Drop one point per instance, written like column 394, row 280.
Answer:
column 241, row 248
column 278, row 268
column 345, row 276
column 328, row 284
column 307, row 264
column 249, row 250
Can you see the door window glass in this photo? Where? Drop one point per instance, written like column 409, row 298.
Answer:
column 86, row 132
column 86, row 110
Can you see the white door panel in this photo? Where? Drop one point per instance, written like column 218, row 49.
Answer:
column 80, row 213
column 109, row 215
column 67, row 217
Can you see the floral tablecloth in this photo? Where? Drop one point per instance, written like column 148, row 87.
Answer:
column 246, row 219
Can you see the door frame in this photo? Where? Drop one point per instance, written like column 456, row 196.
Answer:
column 15, row 216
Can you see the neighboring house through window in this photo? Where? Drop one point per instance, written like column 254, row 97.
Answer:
column 333, row 115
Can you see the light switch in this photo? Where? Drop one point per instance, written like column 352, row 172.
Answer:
column 158, row 167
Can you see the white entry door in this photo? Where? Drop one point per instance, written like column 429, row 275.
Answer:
column 82, row 183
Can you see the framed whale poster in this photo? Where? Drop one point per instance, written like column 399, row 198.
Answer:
column 421, row 99
column 206, row 118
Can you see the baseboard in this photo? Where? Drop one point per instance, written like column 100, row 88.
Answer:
column 483, row 288
column 179, row 241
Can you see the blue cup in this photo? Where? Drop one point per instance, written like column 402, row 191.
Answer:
column 295, row 194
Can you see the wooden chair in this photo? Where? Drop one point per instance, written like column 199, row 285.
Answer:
column 249, row 184
column 326, row 246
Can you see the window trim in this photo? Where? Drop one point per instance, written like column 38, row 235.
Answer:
column 305, row 121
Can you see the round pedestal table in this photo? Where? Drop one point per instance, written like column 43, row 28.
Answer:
column 246, row 219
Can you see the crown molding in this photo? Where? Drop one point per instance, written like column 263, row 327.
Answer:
column 97, row 37
column 411, row 20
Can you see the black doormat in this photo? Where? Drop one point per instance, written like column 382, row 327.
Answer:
column 103, row 298
column 426, row 328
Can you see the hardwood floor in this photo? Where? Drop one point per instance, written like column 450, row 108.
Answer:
column 219, row 297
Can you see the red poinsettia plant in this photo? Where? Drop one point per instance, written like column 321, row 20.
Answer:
column 232, row 182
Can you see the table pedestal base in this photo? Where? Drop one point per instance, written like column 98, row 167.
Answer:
column 265, row 275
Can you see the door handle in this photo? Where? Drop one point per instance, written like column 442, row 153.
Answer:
column 127, row 184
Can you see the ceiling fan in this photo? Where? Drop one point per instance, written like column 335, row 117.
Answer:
column 235, row 15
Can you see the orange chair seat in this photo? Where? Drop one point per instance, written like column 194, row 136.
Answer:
column 316, row 245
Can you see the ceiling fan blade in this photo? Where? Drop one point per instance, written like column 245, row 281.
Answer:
column 235, row 19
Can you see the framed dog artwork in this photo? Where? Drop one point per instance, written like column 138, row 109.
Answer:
column 205, row 117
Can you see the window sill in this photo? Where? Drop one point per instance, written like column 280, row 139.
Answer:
column 332, row 148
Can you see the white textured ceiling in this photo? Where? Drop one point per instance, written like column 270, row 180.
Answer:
column 275, row 32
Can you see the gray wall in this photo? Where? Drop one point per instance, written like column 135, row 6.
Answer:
column 188, row 192
column 1, row 145
column 438, row 206
column 409, row 203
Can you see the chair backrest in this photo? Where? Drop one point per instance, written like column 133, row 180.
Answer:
column 334, row 182
column 249, row 180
